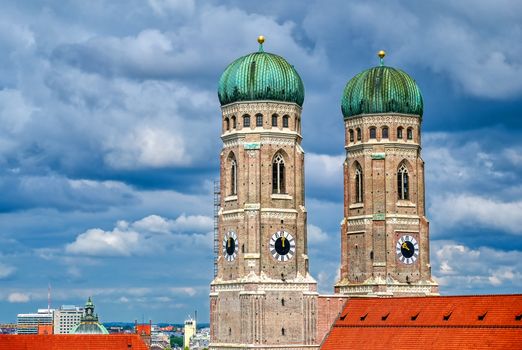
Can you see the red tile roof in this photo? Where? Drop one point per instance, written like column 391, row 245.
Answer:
column 452, row 322
column 142, row 329
column 72, row 342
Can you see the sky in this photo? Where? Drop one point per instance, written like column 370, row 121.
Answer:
column 110, row 125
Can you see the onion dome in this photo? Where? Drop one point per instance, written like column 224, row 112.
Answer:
column 89, row 323
column 381, row 89
column 260, row 76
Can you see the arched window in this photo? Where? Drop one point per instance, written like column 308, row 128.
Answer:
column 282, row 331
column 351, row 135
column 234, row 125
column 283, row 302
column 297, row 125
column 259, row 120
column 399, row 133
column 278, row 174
column 227, row 124
column 373, row 133
column 274, row 119
column 385, row 132
column 409, row 134
column 403, row 184
column 359, row 134
column 285, row 121
column 246, row 121
column 358, row 184
column 233, row 175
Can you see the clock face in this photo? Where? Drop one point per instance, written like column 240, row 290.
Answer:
column 282, row 246
column 230, row 246
column 407, row 249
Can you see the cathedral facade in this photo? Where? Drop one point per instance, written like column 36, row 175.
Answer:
column 263, row 295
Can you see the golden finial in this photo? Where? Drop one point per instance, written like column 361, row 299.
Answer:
column 381, row 55
column 261, row 39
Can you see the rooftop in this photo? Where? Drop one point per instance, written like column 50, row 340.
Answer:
column 449, row 322
column 69, row 342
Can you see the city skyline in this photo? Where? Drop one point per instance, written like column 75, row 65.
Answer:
column 110, row 128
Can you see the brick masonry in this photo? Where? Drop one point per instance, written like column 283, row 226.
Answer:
column 371, row 229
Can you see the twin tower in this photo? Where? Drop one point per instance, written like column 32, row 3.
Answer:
column 263, row 296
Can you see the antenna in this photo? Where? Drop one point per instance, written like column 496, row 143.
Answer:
column 49, row 298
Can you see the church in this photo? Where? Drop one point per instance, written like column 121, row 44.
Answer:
column 263, row 295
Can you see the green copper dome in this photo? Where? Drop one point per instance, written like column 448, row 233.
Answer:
column 89, row 323
column 260, row 76
column 381, row 89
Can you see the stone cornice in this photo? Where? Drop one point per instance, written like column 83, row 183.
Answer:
column 381, row 119
column 252, row 108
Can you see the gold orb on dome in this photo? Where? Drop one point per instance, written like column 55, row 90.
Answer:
column 261, row 39
column 381, row 54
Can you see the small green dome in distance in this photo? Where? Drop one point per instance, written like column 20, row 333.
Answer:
column 381, row 89
column 260, row 76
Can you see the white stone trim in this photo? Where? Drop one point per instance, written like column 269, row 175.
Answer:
column 281, row 196
column 231, row 198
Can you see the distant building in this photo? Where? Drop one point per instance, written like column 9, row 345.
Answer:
column 89, row 322
column 28, row 323
column 190, row 331
column 200, row 340
column 66, row 318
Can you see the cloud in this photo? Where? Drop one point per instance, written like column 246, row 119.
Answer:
column 18, row 298
column 54, row 191
column 323, row 170
column 147, row 147
column 469, row 210
column 150, row 235
column 163, row 7
column 460, row 269
column 6, row 271
column 316, row 235
column 477, row 50
column 470, row 184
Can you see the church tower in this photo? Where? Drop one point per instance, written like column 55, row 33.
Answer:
column 262, row 296
column 384, row 232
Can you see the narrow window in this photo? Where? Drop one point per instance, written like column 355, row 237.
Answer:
column 259, row 120
column 359, row 134
column 278, row 174
column 274, row 119
column 385, row 132
column 298, row 125
column 403, row 183
column 282, row 331
column 399, row 133
column 373, row 133
column 358, row 185
column 234, row 125
column 233, row 177
column 409, row 134
column 227, row 124
column 246, row 121
column 283, row 302
column 285, row 121
column 351, row 135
